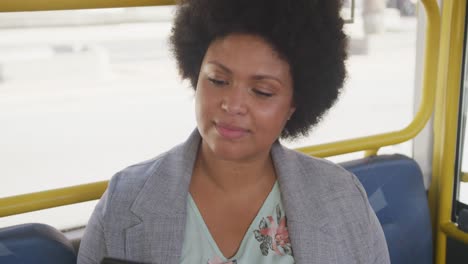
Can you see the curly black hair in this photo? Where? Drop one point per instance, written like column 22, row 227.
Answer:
column 308, row 34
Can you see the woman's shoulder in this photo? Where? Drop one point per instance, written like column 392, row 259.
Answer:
column 337, row 196
column 318, row 163
column 127, row 183
column 134, row 176
column 327, row 175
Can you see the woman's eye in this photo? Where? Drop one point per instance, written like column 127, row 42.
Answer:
column 217, row 82
column 261, row 93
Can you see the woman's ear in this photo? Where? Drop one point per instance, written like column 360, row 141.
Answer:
column 291, row 111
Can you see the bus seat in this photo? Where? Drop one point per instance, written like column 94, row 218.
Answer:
column 395, row 188
column 35, row 243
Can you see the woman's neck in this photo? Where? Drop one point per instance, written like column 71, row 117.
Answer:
column 232, row 176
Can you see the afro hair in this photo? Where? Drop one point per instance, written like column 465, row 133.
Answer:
column 308, row 34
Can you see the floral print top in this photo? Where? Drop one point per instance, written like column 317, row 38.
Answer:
column 266, row 240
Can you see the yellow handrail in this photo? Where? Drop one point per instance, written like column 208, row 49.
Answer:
column 51, row 198
column 33, row 202
column 452, row 230
column 445, row 126
column 45, row 5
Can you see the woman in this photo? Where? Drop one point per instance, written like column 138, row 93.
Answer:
column 261, row 69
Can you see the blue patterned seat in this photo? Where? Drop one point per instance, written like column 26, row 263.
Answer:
column 394, row 185
column 35, row 243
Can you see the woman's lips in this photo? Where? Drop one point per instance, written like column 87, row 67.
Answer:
column 230, row 132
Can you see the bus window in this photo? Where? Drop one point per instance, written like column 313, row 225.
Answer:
column 379, row 92
column 461, row 185
column 85, row 93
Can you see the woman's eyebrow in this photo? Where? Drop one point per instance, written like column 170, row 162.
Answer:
column 256, row 77
column 224, row 68
column 266, row 76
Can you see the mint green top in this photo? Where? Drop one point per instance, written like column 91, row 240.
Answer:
column 266, row 240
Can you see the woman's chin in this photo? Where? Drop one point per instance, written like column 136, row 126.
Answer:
column 230, row 154
column 239, row 150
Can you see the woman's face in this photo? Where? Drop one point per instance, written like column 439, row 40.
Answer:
column 244, row 97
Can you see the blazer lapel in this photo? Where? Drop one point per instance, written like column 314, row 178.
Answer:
column 306, row 216
column 161, row 208
column 157, row 239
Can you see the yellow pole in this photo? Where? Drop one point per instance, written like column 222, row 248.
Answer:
column 451, row 54
column 51, row 198
column 45, row 5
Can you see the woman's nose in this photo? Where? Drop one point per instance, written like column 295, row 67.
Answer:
column 234, row 102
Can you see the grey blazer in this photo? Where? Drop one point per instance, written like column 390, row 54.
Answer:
column 141, row 216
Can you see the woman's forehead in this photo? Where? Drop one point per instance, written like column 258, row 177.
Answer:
column 245, row 53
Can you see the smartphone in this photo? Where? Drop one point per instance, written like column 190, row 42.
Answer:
column 107, row 260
